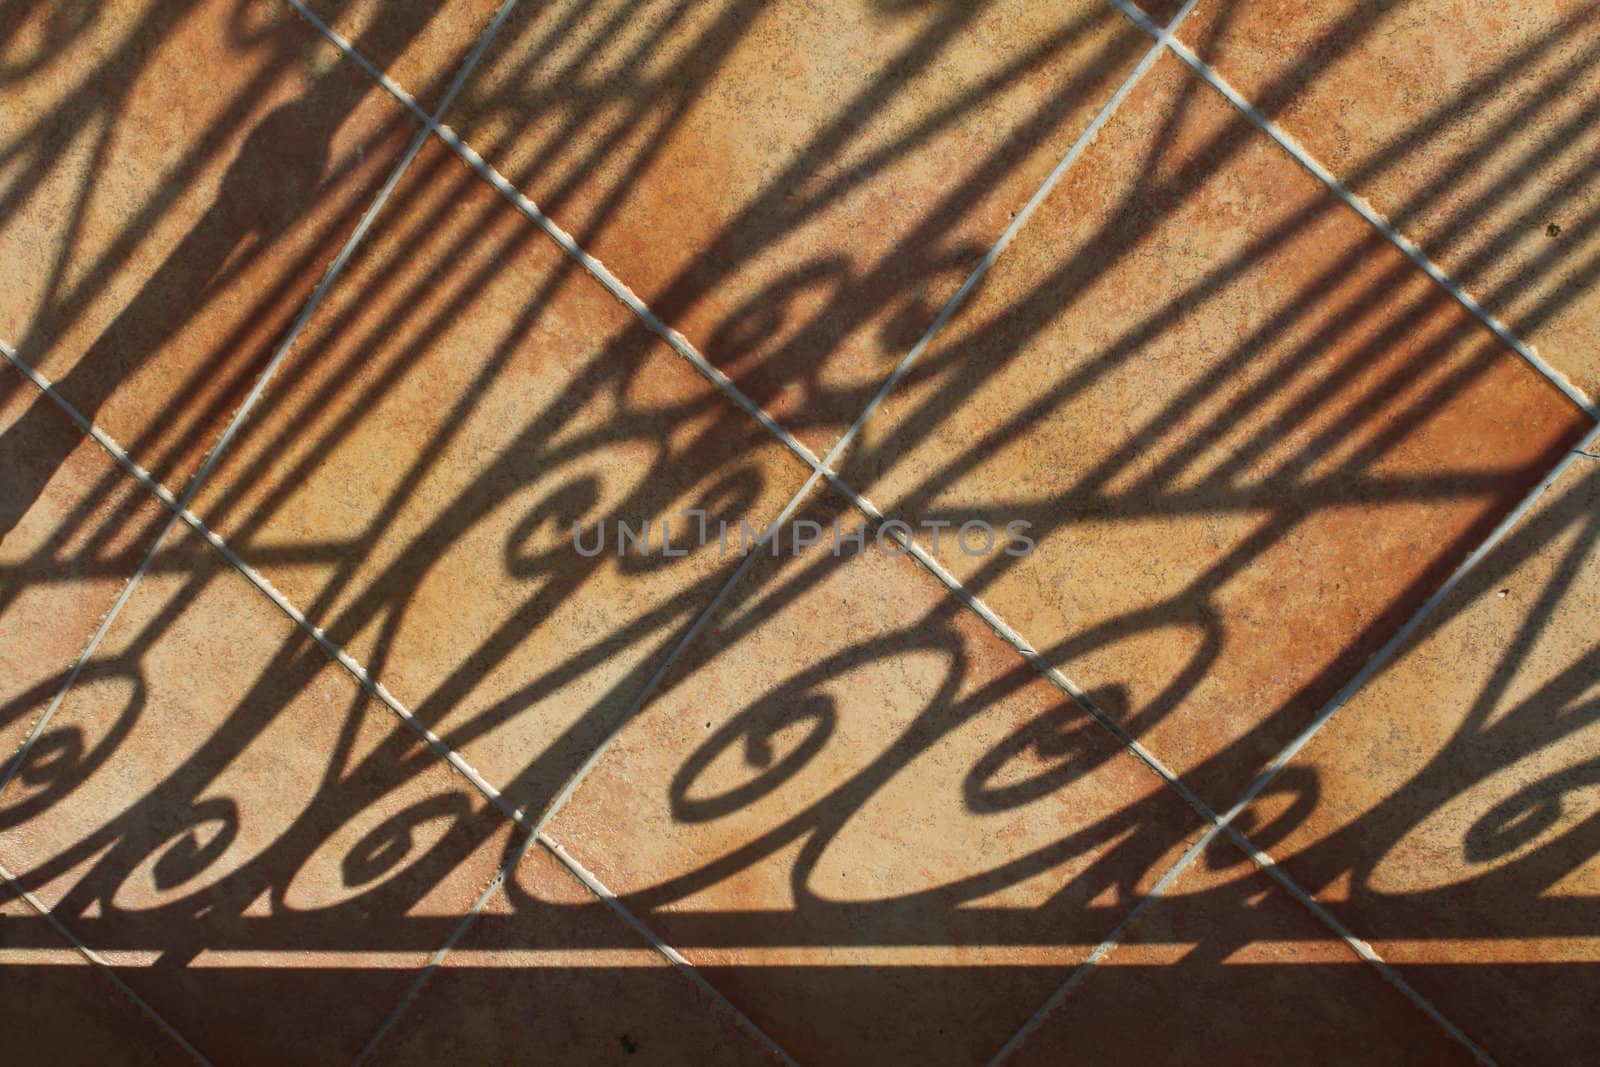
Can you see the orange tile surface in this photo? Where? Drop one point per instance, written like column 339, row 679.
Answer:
column 422, row 45
column 870, row 822
column 1456, row 814
column 1469, row 126
column 797, row 186
column 1226, row 967
column 71, row 535
column 218, row 810
column 176, row 179
column 392, row 751
column 412, row 480
column 1250, row 435
column 58, row 1008
column 546, row 966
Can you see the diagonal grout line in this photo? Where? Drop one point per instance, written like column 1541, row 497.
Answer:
column 1011, row 637
column 615, row 286
column 1360, row 947
column 329, row 277
column 1223, row 824
column 1381, row 657
column 1079, row 146
column 439, row 747
column 353, row 666
column 822, row 468
column 96, row 960
column 180, row 506
column 438, row 957
column 1164, row 38
column 679, row 344
column 819, row 468
column 677, row 959
column 1412, row 251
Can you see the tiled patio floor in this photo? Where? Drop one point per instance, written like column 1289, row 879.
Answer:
column 338, row 332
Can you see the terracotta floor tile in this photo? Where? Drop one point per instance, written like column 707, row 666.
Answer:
column 175, row 180
column 263, row 852
column 1472, row 127
column 547, row 969
column 1456, row 815
column 1247, row 437
column 1250, row 436
column 71, row 534
column 797, row 186
column 869, row 822
column 420, row 44
column 55, row 1007
column 412, row 480
column 1228, row 968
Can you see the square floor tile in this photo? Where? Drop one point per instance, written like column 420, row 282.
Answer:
column 880, row 832
column 176, row 179
column 1250, row 436
column 546, row 969
column 1472, row 127
column 1226, row 967
column 798, row 186
column 1455, row 820
column 412, row 480
column 264, row 852
column 71, row 534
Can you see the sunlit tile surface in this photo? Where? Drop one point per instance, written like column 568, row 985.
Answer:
column 780, row 531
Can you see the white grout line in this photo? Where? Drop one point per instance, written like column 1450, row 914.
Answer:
column 681, row 345
column 1084, row 969
column 1374, row 664
column 239, row 416
column 1079, row 146
column 1360, row 947
column 349, row 50
column 1380, row 658
column 261, row 582
column 614, row 285
column 1003, row 630
column 819, row 467
column 1164, row 38
column 1409, row 247
column 21, row 756
column 96, row 960
column 180, row 506
column 649, row 690
column 673, row 955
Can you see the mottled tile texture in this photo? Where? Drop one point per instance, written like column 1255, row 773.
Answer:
column 1455, row 822
column 1470, row 126
column 413, row 480
column 468, row 717
column 1251, row 437
column 798, row 186
column 177, row 178
column 847, row 791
